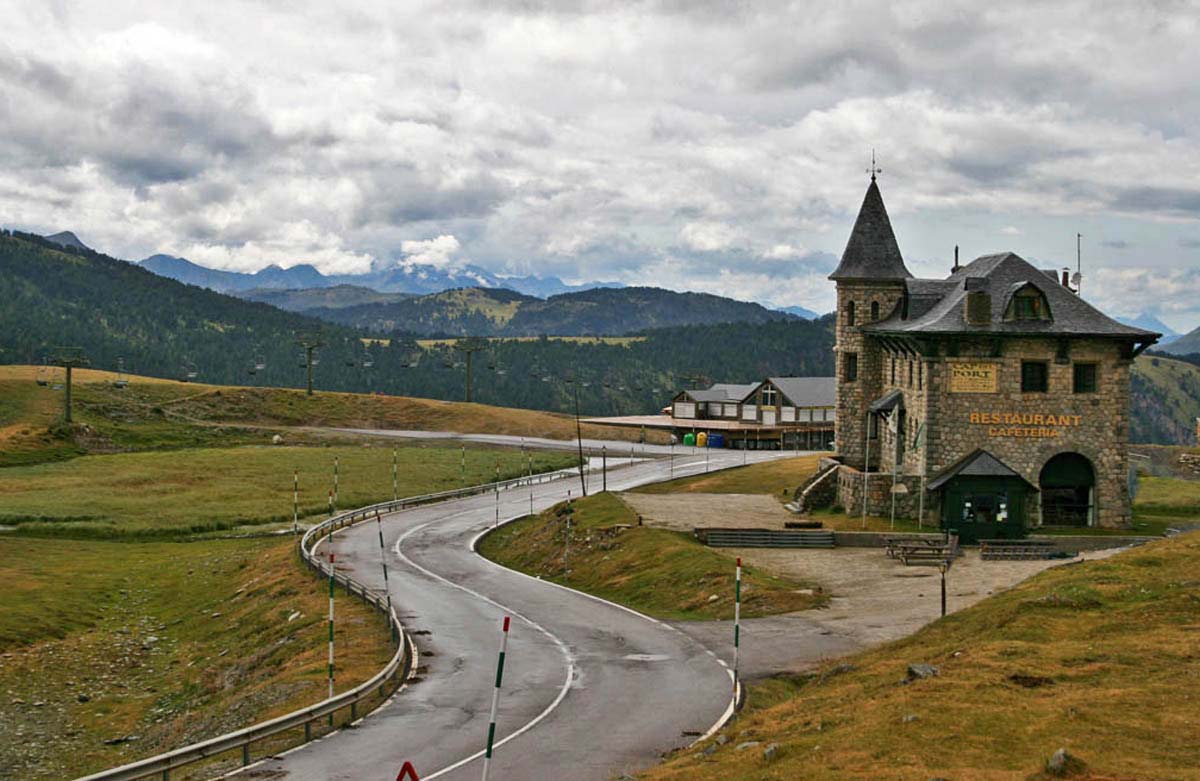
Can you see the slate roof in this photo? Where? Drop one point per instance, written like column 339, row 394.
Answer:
column 978, row 464
column 807, row 391
column 888, row 402
column 937, row 306
column 722, row 392
column 872, row 252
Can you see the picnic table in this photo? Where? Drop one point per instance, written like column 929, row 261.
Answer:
column 893, row 543
column 926, row 551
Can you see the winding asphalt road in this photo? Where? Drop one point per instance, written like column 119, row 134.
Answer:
column 591, row 690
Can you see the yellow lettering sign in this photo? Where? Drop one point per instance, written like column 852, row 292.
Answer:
column 974, row 377
column 1023, row 424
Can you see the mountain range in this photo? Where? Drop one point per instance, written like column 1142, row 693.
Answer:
column 1151, row 323
column 58, row 294
column 416, row 278
column 500, row 312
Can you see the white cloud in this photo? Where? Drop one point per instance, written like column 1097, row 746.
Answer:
column 715, row 143
column 438, row 252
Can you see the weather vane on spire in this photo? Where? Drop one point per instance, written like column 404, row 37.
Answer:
column 873, row 170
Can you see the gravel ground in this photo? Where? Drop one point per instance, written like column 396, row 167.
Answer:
column 685, row 512
column 874, row 599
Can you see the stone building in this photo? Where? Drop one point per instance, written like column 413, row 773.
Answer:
column 997, row 397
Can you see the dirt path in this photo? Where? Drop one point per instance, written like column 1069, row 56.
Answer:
column 875, row 599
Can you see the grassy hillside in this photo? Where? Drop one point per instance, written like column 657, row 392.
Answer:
column 658, row 572
column 194, row 491
column 1098, row 658
column 778, row 478
column 1166, row 401
column 154, row 414
column 115, row 651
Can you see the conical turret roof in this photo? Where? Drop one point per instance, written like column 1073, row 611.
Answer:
column 872, row 252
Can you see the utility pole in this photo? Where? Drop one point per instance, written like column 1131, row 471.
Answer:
column 68, row 358
column 309, row 344
column 469, row 346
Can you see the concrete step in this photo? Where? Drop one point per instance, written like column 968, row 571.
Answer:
column 765, row 538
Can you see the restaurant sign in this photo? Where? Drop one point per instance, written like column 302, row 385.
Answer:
column 1023, row 424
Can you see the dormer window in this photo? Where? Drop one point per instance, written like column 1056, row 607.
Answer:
column 1028, row 303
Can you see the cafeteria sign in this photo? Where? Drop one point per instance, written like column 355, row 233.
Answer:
column 973, row 377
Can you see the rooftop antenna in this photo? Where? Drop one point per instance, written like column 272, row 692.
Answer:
column 1078, row 278
column 873, row 170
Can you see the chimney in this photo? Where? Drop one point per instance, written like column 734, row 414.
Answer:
column 955, row 260
column 978, row 304
column 1066, row 278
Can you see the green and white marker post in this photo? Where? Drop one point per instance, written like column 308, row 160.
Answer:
column 497, row 492
column 331, row 571
column 463, row 463
column 383, row 561
column 487, row 755
column 737, row 622
column 331, row 506
column 295, row 501
column 395, row 477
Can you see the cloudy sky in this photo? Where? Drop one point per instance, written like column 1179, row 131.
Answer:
column 695, row 145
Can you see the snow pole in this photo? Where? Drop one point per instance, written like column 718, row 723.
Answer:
column 487, row 756
column 737, row 621
column 395, row 473
column 383, row 561
column 529, row 468
column 331, row 581
column 463, row 465
column 295, row 501
column 331, row 507
column 497, row 492
column 336, row 465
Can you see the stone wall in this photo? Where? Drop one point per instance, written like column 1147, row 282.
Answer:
column 852, row 397
column 1095, row 425
column 879, row 494
column 1032, row 427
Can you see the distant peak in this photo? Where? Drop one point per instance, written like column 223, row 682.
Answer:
column 67, row 239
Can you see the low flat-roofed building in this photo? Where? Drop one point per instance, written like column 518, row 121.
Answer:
column 789, row 413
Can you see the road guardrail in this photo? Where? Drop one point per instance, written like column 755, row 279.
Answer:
column 394, row 673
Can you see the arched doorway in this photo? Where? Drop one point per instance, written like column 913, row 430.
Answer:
column 1068, row 486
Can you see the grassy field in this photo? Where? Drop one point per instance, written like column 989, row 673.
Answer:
column 1098, row 658
column 778, row 478
column 658, row 572
column 217, row 489
column 155, row 414
column 113, row 651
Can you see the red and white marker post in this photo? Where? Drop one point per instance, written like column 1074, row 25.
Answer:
column 737, row 619
column 487, row 755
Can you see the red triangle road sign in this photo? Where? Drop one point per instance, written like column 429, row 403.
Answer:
column 407, row 772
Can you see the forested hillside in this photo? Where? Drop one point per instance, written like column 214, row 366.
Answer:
column 1166, row 401
column 596, row 312
column 110, row 308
